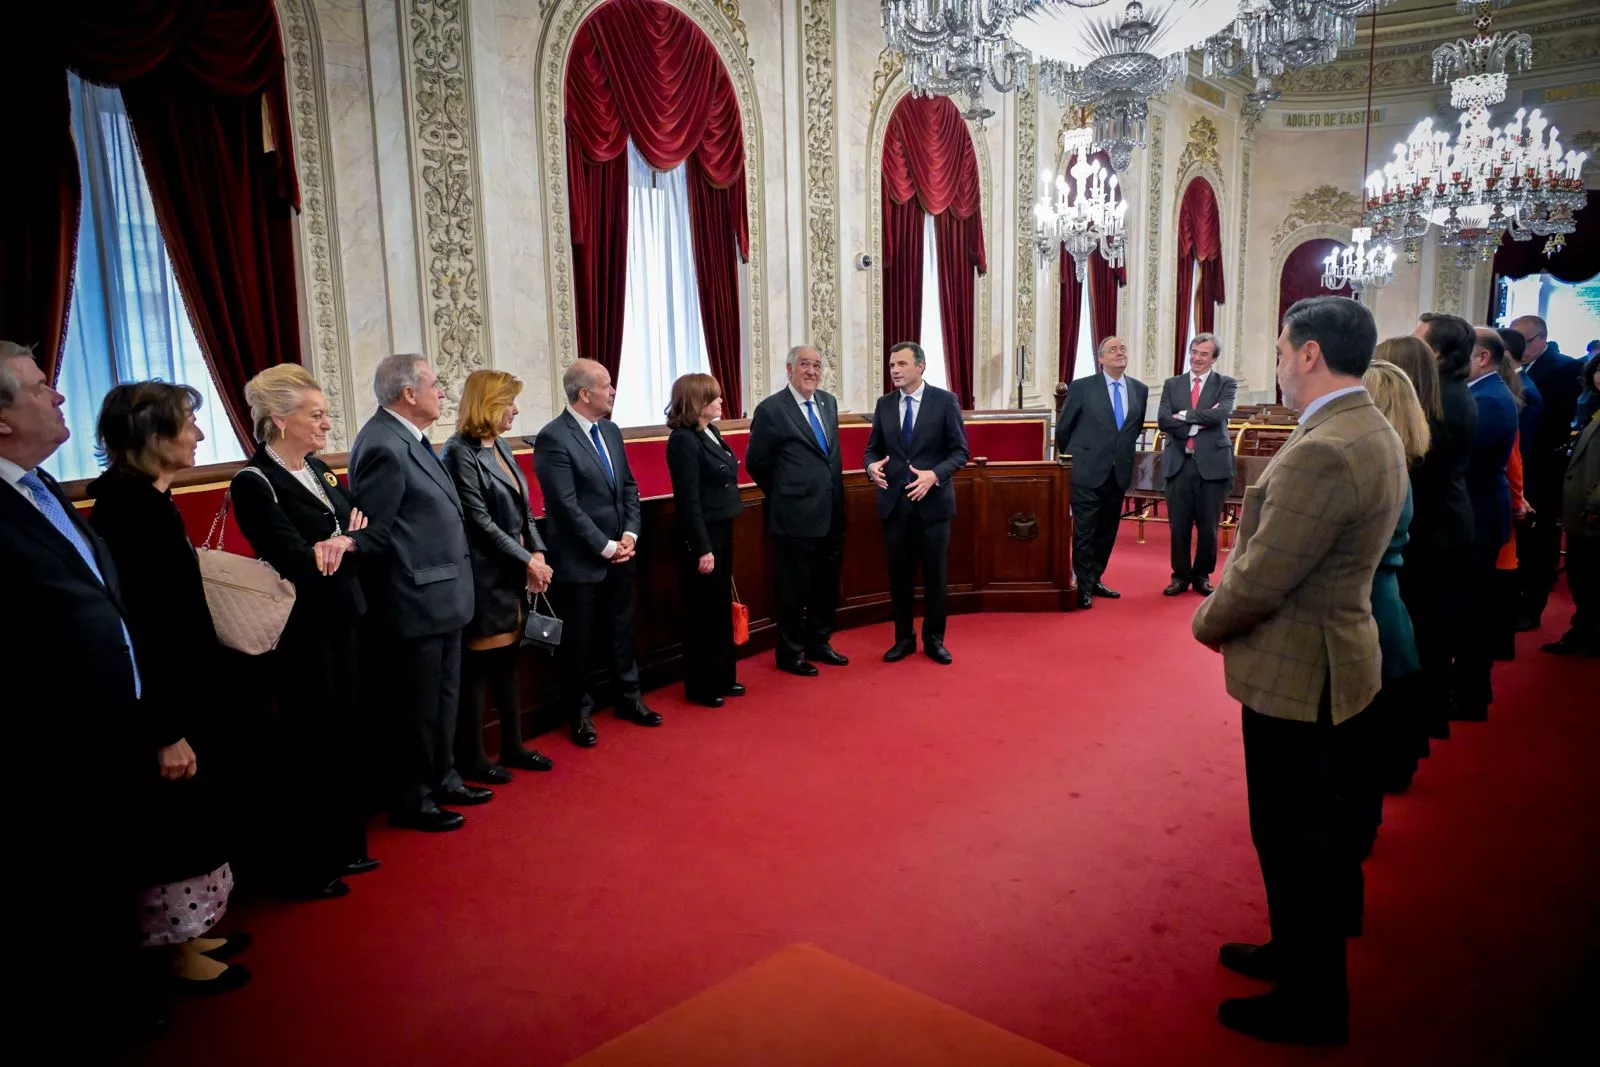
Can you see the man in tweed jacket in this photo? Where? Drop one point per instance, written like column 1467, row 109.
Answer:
column 1292, row 617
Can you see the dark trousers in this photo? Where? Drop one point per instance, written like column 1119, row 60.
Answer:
column 908, row 541
column 707, row 599
column 322, row 824
column 1583, row 576
column 1096, row 514
column 1539, row 543
column 596, row 630
column 1307, row 865
column 1507, row 605
column 1474, row 668
column 1194, row 505
column 425, row 677
column 1432, row 584
column 807, row 591
column 488, row 674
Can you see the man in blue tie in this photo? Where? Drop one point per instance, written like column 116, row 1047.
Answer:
column 917, row 445
column 794, row 457
column 1099, row 427
column 72, row 671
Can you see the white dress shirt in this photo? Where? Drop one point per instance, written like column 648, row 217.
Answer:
column 916, row 405
column 816, row 406
column 12, row 474
column 1474, row 381
column 416, row 431
column 1317, row 404
column 584, row 425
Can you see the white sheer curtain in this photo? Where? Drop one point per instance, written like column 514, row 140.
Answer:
column 932, row 324
column 127, row 322
column 661, row 332
column 1084, row 364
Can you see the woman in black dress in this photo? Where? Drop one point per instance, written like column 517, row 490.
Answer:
column 147, row 435
column 507, row 565
column 290, row 507
column 705, row 491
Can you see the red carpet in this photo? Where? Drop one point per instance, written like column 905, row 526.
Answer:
column 1050, row 836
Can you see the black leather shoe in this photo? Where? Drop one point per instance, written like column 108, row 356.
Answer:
column 639, row 713
column 327, row 891
column 1085, row 598
column 799, row 666
column 1260, row 962
column 361, row 866
column 826, row 654
column 1177, row 586
column 429, row 822
column 1274, row 1017
column 737, row 689
column 903, row 647
column 232, row 945
column 583, row 734
column 934, row 648
column 489, row 775
column 1099, row 589
column 465, row 796
column 706, row 701
column 1204, row 587
column 234, row 977
column 525, row 759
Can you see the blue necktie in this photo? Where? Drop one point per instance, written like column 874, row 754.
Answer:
column 906, row 426
column 57, row 517
column 816, row 425
column 1116, row 403
column 605, row 460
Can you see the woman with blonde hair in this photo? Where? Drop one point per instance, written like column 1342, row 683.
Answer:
column 292, row 509
column 507, row 567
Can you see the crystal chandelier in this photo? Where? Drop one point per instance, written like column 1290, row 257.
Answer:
column 1488, row 180
column 1270, row 37
column 1083, row 212
column 1356, row 265
column 952, row 47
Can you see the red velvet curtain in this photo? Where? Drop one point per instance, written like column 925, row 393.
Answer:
column 1578, row 261
column 1104, row 281
column 203, row 82
column 1071, row 317
column 1199, row 246
column 641, row 70
column 929, row 165
column 1302, row 277
column 903, row 233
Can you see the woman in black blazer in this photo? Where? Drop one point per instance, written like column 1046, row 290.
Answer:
column 290, row 507
column 507, row 565
column 705, row 490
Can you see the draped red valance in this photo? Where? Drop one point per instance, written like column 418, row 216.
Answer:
column 930, row 167
column 203, row 85
column 641, row 70
column 1199, row 244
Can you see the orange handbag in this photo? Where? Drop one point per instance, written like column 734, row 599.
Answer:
column 741, row 620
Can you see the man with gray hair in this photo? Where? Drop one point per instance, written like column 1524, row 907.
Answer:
column 419, row 579
column 1197, row 462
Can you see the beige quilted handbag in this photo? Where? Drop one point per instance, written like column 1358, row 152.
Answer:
column 249, row 602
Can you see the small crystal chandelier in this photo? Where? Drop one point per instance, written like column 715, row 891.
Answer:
column 1489, row 180
column 1083, row 212
column 1270, row 37
column 952, row 47
column 1356, row 265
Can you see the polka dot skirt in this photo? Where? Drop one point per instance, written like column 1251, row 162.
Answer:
column 183, row 911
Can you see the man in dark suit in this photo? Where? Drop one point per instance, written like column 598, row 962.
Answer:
column 592, row 527
column 1560, row 381
column 916, row 447
column 70, row 657
column 1490, row 493
column 1532, row 400
column 1099, row 427
column 418, row 573
column 793, row 455
column 1197, row 462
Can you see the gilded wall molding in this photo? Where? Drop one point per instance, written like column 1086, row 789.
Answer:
column 1448, row 284
column 1325, row 204
column 736, row 26
column 1200, row 149
column 819, row 137
column 1247, row 151
column 329, row 357
column 895, row 90
column 1026, row 265
column 555, row 48
column 439, row 105
column 1155, row 152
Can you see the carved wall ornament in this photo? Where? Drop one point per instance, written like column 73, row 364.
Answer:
column 1247, row 150
column 555, row 47
column 1201, row 148
column 736, row 26
column 1448, row 283
column 820, row 130
column 1156, row 154
column 1324, row 204
column 444, row 161
column 329, row 354
column 1026, row 265
column 888, row 67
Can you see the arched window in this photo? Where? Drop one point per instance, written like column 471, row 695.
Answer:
column 656, row 178
column 1302, row 277
column 1200, row 283
column 931, row 192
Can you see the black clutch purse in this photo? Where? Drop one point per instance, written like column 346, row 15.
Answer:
column 542, row 630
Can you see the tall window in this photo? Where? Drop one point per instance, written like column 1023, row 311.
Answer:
column 661, row 330
column 932, row 323
column 127, row 321
column 1085, row 364
column 1571, row 310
